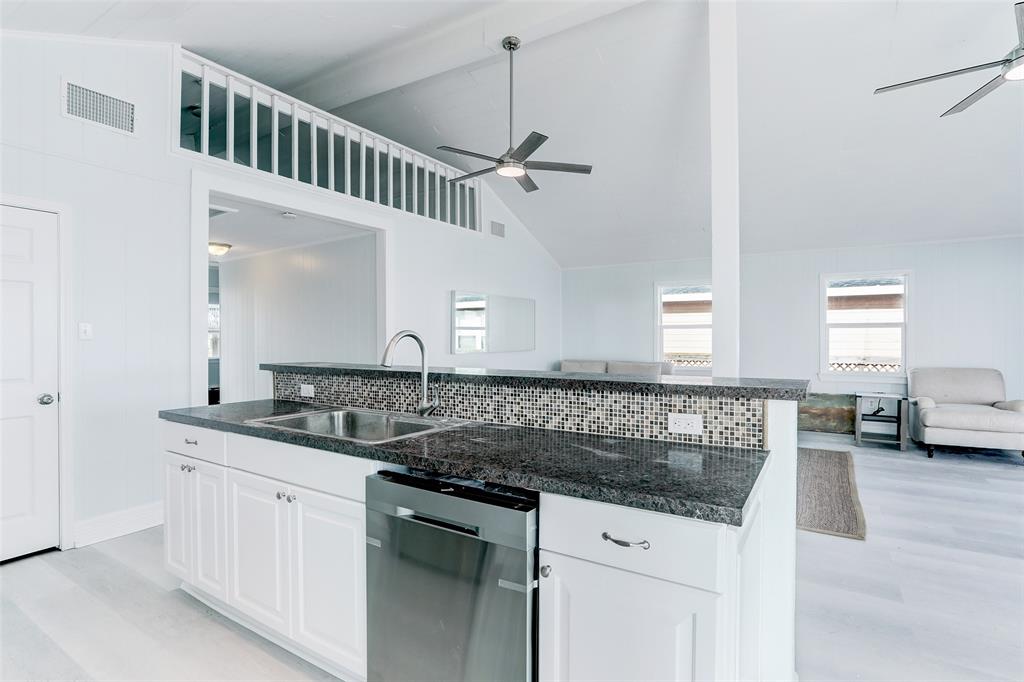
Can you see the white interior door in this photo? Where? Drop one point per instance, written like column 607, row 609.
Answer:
column 29, row 327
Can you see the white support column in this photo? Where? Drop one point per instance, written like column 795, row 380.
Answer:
column 725, row 194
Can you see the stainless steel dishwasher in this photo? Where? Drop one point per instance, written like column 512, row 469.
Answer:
column 450, row 575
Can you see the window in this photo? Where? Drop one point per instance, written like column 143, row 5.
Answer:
column 470, row 323
column 684, row 326
column 865, row 325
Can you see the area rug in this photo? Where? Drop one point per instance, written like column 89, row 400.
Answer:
column 826, row 490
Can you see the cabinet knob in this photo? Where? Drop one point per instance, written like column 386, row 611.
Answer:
column 545, row 571
column 280, row 495
column 183, row 467
column 191, row 468
column 291, row 498
column 642, row 544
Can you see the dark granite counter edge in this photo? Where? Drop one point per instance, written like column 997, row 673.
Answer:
column 757, row 389
column 687, row 509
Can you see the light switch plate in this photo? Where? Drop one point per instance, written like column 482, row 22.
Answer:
column 85, row 330
column 307, row 391
column 690, row 424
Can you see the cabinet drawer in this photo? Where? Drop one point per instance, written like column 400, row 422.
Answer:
column 321, row 470
column 205, row 444
column 685, row 551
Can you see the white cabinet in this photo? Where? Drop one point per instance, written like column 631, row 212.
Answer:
column 288, row 558
column 178, row 514
column 258, row 553
column 195, row 522
column 328, row 551
column 604, row 623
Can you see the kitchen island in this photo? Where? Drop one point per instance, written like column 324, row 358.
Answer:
column 659, row 560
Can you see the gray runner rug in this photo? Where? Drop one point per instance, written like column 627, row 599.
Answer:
column 826, row 494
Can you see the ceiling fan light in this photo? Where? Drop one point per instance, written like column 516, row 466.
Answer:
column 511, row 170
column 1015, row 73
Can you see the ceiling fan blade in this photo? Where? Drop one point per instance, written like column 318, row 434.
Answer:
column 456, row 150
column 485, row 171
column 556, row 166
column 976, row 95
column 939, row 76
column 529, row 146
column 1018, row 9
column 527, row 183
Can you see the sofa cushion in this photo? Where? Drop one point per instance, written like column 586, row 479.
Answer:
column 645, row 369
column 1014, row 405
column 591, row 366
column 957, row 385
column 972, row 418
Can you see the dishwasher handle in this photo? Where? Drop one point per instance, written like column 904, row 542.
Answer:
column 444, row 524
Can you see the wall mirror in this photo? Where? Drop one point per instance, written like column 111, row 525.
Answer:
column 486, row 323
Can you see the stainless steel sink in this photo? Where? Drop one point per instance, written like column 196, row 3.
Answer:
column 358, row 425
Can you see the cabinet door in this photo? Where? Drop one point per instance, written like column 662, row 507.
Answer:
column 258, row 555
column 178, row 509
column 328, row 555
column 211, row 529
column 601, row 623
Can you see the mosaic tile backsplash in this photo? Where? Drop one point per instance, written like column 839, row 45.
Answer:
column 732, row 422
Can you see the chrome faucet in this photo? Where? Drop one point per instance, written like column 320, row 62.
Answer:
column 427, row 404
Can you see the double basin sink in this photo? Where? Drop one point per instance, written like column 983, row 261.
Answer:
column 370, row 427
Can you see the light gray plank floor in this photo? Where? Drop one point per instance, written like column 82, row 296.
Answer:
column 110, row 612
column 936, row 592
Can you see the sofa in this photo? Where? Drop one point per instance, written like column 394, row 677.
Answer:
column 963, row 407
column 617, row 367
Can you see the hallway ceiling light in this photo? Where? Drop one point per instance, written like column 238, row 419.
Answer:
column 218, row 248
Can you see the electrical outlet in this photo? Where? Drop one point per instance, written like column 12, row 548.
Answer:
column 85, row 331
column 307, row 391
column 690, row 424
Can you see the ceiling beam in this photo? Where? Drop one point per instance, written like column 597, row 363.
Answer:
column 469, row 39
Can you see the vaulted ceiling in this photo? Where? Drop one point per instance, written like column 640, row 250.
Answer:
column 624, row 86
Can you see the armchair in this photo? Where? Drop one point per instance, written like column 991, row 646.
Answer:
column 963, row 407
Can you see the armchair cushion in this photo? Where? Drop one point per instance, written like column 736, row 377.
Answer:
column 969, row 417
column 923, row 402
column 591, row 366
column 1013, row 405
column 957, row 385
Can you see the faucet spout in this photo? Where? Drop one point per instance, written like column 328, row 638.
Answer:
column 427, row 404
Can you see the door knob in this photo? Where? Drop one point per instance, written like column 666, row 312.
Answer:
column 545, row 571
column 44, row 399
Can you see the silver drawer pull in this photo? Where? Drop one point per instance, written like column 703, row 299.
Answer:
column 643, row 544
column 191, row 442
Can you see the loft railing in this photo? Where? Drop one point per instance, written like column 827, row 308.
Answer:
column 225, row 115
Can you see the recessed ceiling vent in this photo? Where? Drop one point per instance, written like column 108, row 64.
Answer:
column 99, row 108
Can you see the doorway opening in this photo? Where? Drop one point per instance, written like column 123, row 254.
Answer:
column 284, row 285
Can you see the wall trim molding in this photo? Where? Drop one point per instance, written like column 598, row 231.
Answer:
column 116, row 524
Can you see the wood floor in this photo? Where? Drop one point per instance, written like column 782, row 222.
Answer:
column 936, row 592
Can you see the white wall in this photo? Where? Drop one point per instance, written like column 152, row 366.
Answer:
column 311, row 302
column 128, row 203
column 609, row 313
column 966, row 307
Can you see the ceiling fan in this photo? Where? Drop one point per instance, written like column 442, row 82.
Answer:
column 513, row 163
column 1011, row 69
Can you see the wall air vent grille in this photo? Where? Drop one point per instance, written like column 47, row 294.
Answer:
column 497, row 229
column 99, row 108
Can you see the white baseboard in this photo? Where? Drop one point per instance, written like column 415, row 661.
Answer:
column 116, row 524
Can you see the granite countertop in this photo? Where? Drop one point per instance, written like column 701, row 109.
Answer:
column 702, row 482
column 726, row 387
